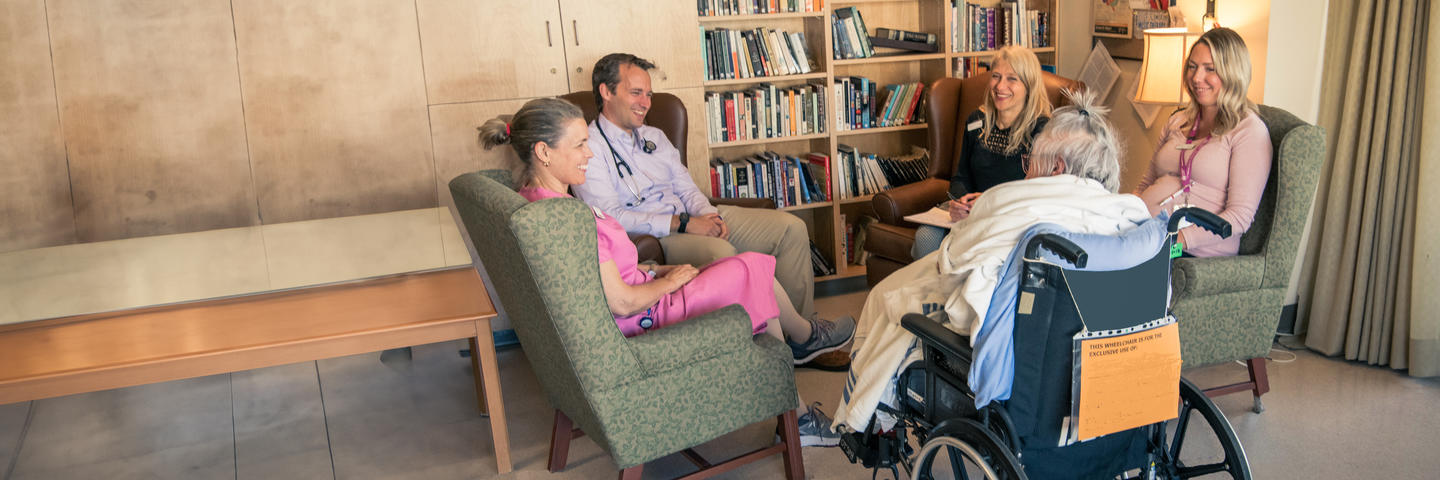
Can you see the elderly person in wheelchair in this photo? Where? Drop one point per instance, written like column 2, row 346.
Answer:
column 1071, row 179
column 957, row 378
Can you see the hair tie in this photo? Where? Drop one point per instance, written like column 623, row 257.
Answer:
column 1085, row 112
column 507, row 129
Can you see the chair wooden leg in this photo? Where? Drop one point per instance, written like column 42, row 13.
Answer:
column 479, row 376
column 632, row 473
column 1260, row 379
column 560, row 437
column 790, row 434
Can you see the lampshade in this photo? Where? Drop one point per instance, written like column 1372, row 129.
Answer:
column 1162, row 74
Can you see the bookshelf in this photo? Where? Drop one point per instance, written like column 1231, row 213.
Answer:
column 828, row 220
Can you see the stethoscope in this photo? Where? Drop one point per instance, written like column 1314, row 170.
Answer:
column 633, row 186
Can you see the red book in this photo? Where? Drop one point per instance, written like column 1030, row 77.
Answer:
column 730, row 118
column 824, row 180
column 914, row 101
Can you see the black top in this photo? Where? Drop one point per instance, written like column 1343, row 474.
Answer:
column 982, row 163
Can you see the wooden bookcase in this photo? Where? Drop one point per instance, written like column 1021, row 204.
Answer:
column 886, row 67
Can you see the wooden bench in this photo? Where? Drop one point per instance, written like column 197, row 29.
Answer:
column 86, row 353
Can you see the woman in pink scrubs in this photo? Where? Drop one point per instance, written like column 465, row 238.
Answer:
column 550, row 136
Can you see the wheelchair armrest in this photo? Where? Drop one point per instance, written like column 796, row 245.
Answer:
column 933, row 334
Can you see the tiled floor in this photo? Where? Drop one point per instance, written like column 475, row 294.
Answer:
column 358, row 417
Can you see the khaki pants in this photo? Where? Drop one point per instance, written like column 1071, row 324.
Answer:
column 771, row 232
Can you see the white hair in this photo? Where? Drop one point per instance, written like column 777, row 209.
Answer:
column 1079, row 134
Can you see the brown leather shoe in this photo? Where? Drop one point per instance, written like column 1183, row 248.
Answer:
column 836, row 361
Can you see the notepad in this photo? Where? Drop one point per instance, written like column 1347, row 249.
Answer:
column 934, row 216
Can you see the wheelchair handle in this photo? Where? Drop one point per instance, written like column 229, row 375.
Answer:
column 1203, row 218
column 1066, row 249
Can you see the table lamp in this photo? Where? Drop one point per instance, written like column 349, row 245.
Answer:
column 1163, row 71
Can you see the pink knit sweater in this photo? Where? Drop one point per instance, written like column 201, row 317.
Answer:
column 1228, row 173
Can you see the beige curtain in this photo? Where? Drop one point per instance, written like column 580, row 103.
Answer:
column 1356, row 283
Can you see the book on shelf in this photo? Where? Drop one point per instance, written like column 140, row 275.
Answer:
column 857, row 254
column 713, row 8
column 899, row 107
column 765, row 111
column 820, row 265
column 868, row 173
column 788, row 180
column 849, row 26
column 975, row 28
column 904, row 45
column 861, row 105
column 972, row 66
column 904, row 35
column 759, row 52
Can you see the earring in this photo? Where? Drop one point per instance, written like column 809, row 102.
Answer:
column 545, row 163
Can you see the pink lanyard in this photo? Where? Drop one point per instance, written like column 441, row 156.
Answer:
column 1187, row 165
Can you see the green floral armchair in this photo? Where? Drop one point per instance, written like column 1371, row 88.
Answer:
column 639, row 398
column 1228, row 307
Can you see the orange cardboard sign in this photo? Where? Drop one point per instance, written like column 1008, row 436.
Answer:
column 1128, row 381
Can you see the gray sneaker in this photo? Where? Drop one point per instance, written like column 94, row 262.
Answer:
column 815, row 428
column 825, row 336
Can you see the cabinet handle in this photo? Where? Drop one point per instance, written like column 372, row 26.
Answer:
column 575, row 32
column 548, row 41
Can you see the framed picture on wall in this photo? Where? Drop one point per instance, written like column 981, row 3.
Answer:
column 1120, row 24
column 1112, row 18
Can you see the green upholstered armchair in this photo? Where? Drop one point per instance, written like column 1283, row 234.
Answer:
column 639, row 398
column 1228, row 307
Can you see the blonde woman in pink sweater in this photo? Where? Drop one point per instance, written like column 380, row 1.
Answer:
column 1214, row 154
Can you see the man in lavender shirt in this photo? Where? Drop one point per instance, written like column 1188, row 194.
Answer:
column 636, row 176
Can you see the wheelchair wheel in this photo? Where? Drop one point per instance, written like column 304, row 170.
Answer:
column 1200, row 443
column 969, row 450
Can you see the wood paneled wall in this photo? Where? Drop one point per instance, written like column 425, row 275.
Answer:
column 170, row 116
column 335, row 107
column 35, row 205
column 150, row 109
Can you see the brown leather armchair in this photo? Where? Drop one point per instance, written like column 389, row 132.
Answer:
column 668, row 114
column 948, row 102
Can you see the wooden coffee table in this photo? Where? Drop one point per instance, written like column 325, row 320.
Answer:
column 86, row 353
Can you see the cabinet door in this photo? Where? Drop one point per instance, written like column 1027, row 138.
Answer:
column 488, row 50
column 662, row 31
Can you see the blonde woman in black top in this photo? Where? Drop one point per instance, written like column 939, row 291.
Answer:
column 997, row 137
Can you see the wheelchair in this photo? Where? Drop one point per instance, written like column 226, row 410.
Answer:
column 1023, row 436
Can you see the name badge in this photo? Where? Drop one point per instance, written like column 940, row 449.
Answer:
column 1185, row 146
column 598, row 213
column 974, row 125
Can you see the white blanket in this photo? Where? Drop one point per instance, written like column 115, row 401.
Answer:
column 961, row 276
